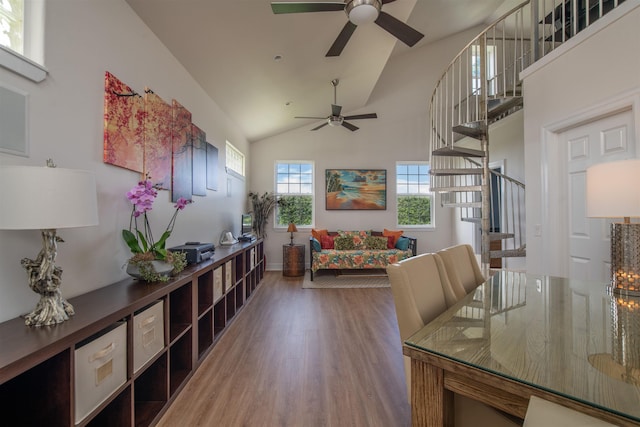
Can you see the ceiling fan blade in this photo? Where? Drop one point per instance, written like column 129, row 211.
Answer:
column 286, row 7
column 342, row 39
column 399, row 29
column 350, row 126
column 335, row 109
column 306, row 117
column 362, row 116
column 321, row 126
column 387, row 1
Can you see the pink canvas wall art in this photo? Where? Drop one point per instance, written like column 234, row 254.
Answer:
column 123, row 125
column 181, row 178
column 157, row 140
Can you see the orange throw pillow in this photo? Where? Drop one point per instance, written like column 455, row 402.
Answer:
column 395, row 234
column 317, row 234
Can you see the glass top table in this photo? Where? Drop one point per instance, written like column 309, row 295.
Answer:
column 566, row 340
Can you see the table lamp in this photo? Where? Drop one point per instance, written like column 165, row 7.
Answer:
column 613, row 192
column 46, row 198
column 292, row 229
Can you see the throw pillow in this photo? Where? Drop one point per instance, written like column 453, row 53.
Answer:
column 316, row 245
column 357, row 236
column 396, row 234
column 402, row 244
column 317, row 234
column 375, row 243
column 327, row 242
column 391, row 242
column 344, row 243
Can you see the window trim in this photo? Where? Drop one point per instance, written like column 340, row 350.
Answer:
column 430, row 194
column 313, row 193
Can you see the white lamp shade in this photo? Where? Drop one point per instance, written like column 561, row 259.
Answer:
column 34, row 197
column 613, row 189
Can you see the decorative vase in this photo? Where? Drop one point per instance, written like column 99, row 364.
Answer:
column 162, row 268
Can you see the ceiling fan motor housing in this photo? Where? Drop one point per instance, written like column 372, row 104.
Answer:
column 335, row 120
column 363, row 11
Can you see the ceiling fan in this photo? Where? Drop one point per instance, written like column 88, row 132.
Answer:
column 359, row 12
column 335, row 119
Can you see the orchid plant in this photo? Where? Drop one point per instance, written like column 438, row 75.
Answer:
column 140, row 238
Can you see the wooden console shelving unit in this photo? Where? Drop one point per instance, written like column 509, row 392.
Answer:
column 37, row 364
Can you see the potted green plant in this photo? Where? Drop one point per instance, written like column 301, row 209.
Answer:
column 262, row 206
column 151, row 261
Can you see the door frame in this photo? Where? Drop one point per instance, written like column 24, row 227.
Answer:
column 553, row 163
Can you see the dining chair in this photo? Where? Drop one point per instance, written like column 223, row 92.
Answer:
column 542, row 413
column 421, row 292
column 462, row 269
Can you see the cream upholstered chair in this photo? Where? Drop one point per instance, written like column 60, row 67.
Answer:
column 421, row 291
column 462, row 269
column 542, row 413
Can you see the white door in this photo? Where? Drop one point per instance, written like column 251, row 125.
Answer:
column 604, row 140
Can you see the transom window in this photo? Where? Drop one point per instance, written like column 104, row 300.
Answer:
column 234, row 160
column 294, row 191
column 22, row 38
column 414, row 196
column 12, row 25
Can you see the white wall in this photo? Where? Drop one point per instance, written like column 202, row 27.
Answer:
column 83, row 40
column 586, row 77
column 401, row 100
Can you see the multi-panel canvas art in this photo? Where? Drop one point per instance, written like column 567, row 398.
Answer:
column 158, row 139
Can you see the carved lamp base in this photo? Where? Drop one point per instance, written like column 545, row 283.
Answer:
column 44, row 279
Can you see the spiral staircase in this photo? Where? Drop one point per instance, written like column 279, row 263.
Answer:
column 480, row 87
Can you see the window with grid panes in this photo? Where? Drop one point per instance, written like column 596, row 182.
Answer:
column 414, row 196
column 294, row 192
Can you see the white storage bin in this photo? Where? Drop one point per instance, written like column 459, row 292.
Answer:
column 100, row 368
column 217, row 284
column 148, row 334
column 228, row 274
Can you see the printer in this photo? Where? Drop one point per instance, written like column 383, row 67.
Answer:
column 195, row 251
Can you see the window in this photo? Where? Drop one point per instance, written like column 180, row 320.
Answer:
column 294, row 191
column 234, row 160
column 490, row 67
column 22, row 38
column 12, row 25
column 414, row 195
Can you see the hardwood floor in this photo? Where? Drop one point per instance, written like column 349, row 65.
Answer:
column 301, row 357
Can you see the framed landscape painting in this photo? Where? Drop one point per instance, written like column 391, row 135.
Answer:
column 356, row 189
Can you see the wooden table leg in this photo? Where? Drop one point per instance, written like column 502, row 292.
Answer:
column 431, row 404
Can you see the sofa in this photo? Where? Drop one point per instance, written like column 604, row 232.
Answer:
column 354, row 250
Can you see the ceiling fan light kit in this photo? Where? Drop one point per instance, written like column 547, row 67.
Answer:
column 334, row 121
column 362, row 12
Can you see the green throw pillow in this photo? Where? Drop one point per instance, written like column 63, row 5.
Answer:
column 343, row 243
column 316, row 245
column 375, row 242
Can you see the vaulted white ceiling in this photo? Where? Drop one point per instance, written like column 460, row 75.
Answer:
column 230, row 48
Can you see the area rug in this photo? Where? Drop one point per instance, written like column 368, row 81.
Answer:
column 327, row 279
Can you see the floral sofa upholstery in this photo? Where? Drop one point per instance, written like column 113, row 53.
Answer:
column 363, row 249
